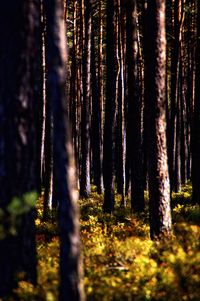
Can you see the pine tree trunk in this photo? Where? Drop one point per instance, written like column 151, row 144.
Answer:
column 159, row 186
column 74, row 88
column 120, row 98
column 70, row 286
column 110, row 112
column 135, row 109
column 19, row 111
column 85, row 188
column 48, row 158
column 96, row 119
column 196, row 123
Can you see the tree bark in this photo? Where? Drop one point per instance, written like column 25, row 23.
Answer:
column 19, row 109
column 96, row 118
column 110, row 112
column 196, row 122
column 159, row 186
column 70, row 286
column 85, row 186
column 135, row 109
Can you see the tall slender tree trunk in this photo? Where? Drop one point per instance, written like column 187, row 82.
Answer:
column 100, row 70
column 159, row 186
column 85, row 186
column 43, row 86
column 96, row 119
column 110, row 113
column 183, row 122
column 70, row 286
column 190, row 85
column 120, row 134
column 48, row 160
column 74, row 87
column 135, row 109
column 145, row 25
column 174, row 121
column 196, row 122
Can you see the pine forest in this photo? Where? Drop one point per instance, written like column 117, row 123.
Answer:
column 100, row 150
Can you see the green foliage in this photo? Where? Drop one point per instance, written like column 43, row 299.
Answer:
column 19, row 206
column 10, row 218
column 121, row 262
column 183, row 196
column 48, row 260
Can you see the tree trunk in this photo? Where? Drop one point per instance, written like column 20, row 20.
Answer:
column 85, row 188
column 48, row 158
column 110, row 113
column 96, row 120
column 135, row 108
column 18, row 136
column 74, row 88
column 159, row 186
column 196, row 122
column 120, row 134
column 70, row 286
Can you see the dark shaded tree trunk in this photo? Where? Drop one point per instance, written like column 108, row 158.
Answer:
column 190, row 84
column 183, row 123
column 73, row 88
column 100, row 74
column 19, row 163
column 43, row 100
column 85, row 186
column 120, row 93
column 96, row 119
column 70, row 287
column 110, row 113
column 159, row 186
column 40, row 93
column 146, row 89
column 177, row 149
column 190, row 96
column 196, row 122
column 174, row 147
column 134, row 110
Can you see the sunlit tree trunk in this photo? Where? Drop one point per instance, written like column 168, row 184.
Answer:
column 48, row 160
column 159, row 186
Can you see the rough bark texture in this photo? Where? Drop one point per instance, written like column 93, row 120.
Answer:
column 18, row 135
column 70, row 287
column 159, row 186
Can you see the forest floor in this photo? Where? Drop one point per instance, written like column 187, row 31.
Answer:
column 121, row 263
